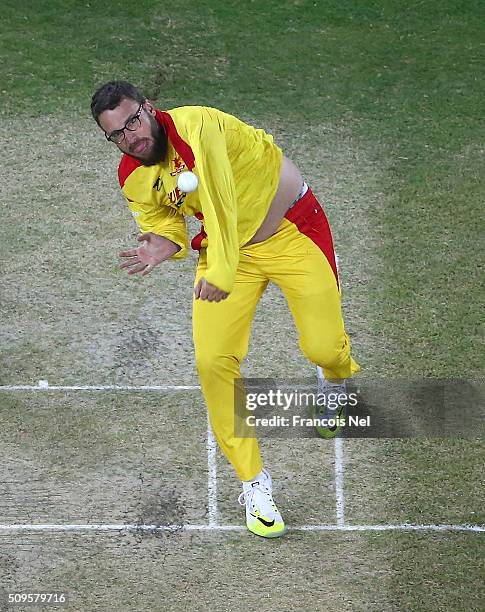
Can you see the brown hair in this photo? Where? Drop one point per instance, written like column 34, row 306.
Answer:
column 109, row 96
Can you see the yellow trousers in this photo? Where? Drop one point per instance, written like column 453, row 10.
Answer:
column 299, row 258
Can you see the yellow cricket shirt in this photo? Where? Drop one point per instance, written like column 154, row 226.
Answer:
column 238, row 169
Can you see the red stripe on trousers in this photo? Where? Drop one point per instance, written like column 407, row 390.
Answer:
column 308, row 216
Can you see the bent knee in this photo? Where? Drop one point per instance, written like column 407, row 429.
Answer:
column 326, row 354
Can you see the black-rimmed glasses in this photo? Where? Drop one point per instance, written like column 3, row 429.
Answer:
column 132, row 124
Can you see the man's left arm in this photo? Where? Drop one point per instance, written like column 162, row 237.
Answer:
column 217, row 195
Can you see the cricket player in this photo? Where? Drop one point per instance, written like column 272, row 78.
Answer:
column 261, row 223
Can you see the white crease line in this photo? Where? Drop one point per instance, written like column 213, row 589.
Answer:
column 402, row 527
column 47, row 387
column 339, row 456
column 211, row 475
column 339, row 482
column 189, row 527
column 339, row 472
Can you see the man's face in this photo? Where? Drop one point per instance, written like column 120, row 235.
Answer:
column 146, row 139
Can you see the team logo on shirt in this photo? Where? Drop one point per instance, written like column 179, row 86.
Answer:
column 175, row 196
column 179, row 166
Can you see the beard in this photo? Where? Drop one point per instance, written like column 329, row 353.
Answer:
column 156, row 153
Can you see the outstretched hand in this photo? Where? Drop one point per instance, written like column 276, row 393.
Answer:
column 153, row 250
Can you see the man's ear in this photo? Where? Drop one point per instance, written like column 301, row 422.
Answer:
column 149, row 106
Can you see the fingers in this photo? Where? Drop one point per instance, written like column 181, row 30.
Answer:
column 140, row 267
column 135, row 265
column 206, row 291
column 147, row 270
column 222, row 295
column 212, row 296
column 134, row 259
column 143, row 237
column 129, row 253
column 130, row 262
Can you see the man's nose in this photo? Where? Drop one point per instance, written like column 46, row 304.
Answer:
column 130, row 137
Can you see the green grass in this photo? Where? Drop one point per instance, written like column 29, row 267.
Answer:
column 446, row 578
column 419, row 481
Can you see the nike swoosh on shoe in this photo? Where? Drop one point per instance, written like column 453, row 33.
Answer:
column 264, row 521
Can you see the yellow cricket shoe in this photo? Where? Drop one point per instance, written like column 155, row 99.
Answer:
column 262, row 515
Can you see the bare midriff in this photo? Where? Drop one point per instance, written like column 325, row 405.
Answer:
column 289, row 187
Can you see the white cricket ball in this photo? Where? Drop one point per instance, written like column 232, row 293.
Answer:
column 187, row 182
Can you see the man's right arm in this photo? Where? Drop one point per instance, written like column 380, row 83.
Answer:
column 152, row 251
column 162, row 221
column 164, row 236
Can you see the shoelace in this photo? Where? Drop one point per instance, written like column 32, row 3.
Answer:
column 246, row 496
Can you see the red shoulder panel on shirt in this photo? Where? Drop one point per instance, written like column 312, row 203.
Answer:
column 126, row 167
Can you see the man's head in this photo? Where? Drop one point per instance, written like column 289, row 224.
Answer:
column 128, row 119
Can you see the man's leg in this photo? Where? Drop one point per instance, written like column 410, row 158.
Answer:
column 303, row 265
column 221, row 335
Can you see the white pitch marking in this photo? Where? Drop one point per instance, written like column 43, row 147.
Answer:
column 339, row 473
column 339, row 458
column 339, row 482
column 401, row 527
column 211, row 475
column 47, row 387
column 189, row 527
